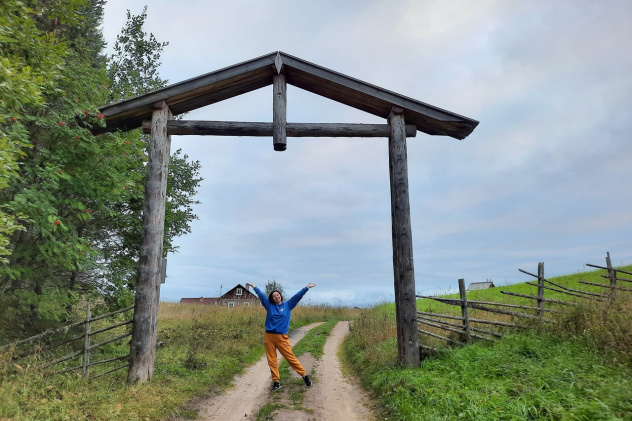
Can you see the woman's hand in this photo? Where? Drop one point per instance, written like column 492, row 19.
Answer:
column 252, row 285
column 310, row 285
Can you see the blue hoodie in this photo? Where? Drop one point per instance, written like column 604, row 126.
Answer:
column 278, row 315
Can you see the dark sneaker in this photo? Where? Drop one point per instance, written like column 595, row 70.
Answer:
column 307, row 381
column 276, row 386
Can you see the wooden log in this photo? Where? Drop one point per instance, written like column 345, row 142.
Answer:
column 476, row 329
column 403, row 267
column 110, row 371
column 112, row 313
column 279, row 112
column 67, row 341
column 451, row 301
column 618, row 279
column 464, row 313
column 144, row 330
column 114, row 339
column 434, row 335
column 552, row 283
column 62, row 359
column 602, row 267
column 569, row 291
column 65, row 371
column 109, row 360
column 456, row 302
column 613, row 278
column 105, row 329
column 533, row 297
column 65, row 328
column 541, row 289
column 86, row 344
column 605, row 286
column 163, row 271
column 428, row 348
column 510, row 313
column 511, row 305
column 445, row 316
column 262, row 129
column 91, row 364
column 587, row 295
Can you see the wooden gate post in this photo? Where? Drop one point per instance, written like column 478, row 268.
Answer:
column 403, row 267
column 143, row 343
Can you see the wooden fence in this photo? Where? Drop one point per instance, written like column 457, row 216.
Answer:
column 468, row 328
column 84, row 352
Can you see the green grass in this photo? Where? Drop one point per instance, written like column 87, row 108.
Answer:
column 521, row 377
column 578, row 367
column 204, row 348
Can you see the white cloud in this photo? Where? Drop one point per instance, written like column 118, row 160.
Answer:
column 545, row 176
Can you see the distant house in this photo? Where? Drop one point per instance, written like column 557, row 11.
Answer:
column 475, row 286
column 201, row 300
column 238, row 296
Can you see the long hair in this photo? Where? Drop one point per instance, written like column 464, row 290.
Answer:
column 272, row 292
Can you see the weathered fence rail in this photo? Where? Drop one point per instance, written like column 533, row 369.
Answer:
column 84, row 352
column 469, row 328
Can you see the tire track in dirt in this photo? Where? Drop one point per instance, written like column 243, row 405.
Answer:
column 332, row 396
column 249, row 392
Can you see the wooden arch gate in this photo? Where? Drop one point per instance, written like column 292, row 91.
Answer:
column 154, row 113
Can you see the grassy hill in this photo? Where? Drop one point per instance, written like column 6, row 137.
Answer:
column 578, row 367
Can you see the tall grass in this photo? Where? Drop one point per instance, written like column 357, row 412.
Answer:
column 576, row 367
column 203, row 347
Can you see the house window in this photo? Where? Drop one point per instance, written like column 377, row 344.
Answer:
column 239, row 291
column 247, row 303
column 231, row 304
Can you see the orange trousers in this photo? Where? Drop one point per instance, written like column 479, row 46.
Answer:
column 274, row 341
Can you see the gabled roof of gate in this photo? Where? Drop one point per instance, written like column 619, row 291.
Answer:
column 256, row 73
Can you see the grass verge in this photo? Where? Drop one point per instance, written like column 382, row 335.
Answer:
column 577, row 367
column 204, row 347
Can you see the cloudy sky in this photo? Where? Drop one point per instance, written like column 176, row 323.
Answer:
column 545, row 177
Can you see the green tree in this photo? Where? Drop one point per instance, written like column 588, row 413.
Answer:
column 133, row 70
column 273, row 285
column 31, row 59
column 74, row 199
column 45, row 190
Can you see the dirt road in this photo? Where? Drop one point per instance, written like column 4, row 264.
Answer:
column 332, row 397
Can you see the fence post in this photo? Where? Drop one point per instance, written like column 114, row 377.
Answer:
column 86, row 344
column 541, row 289
column 464, row 312
column 613, row 278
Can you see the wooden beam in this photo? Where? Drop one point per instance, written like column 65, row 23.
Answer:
column 261, row 129
column 464, row 312
column 143, row 343
column 403, row 268
column 279, row 112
